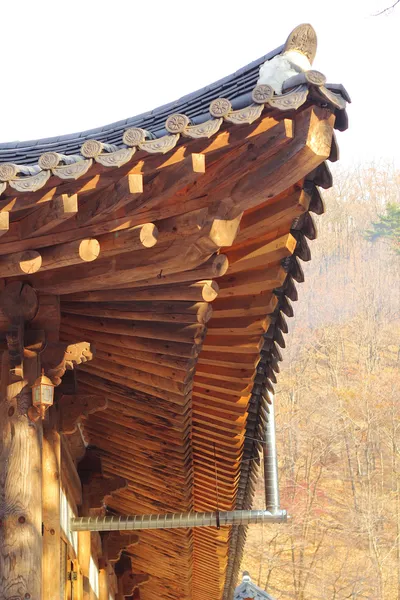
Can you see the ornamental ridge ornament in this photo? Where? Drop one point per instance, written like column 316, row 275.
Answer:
column 262, row 93
column 116, row 159
column 160, row 145
column 73, row 171
column 335, row 99
column 91, row 148
column 315, row 77
column 8, row 171
column 245, row 115
column 32, row 183
column 303, row 39
column 204, row 130
column 221, row 107
column 134, row 136
column 49, row 160
column 290, row 101
column 177, row 123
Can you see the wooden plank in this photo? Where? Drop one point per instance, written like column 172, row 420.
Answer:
column 49, row 216
column 174, row 312
column 184, row 350
column 164, row 331
column 200, row 291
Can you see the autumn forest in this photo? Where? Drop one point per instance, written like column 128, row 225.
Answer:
column 338, row 409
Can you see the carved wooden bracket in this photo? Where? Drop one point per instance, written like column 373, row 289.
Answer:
column 128, row 581
column 75, row 407
column 60, row 356
column 131, row 581
column 101, row 487
column 19, row 304
column 114, row 543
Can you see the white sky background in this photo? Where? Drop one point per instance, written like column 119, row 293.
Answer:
column 77, row 64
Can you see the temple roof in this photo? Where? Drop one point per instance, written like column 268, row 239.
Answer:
column 248, row 589
column 160, row 198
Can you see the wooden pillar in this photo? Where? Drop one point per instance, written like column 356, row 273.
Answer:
column 20, row 487
column 51, row 508
column 103, row 582
column 120, row 593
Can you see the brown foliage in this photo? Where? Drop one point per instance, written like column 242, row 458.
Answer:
column 338, row 414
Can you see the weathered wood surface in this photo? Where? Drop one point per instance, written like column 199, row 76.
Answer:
column 21, row 490
column 47, row 217
column 173, row 392
column 51, row 477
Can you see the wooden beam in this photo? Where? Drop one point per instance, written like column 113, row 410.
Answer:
column 251, row 282
column 198, row 291
column 20, row 263
column 246, row 259
column 129, row 240
column 168, row 182
column 310, row 147
column 188, row 350
column 165, row 331
column 110, row 199
column 276, row 213
column 173, row 312
column 48, row 216
column 71, row 253
column 131, row 191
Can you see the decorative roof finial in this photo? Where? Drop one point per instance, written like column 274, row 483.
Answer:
column 303, row 39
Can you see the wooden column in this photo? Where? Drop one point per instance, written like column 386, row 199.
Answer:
column 103, row 582
column 51, row 508
column 20, row 487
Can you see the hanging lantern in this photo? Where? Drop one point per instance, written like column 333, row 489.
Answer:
column 42, row 394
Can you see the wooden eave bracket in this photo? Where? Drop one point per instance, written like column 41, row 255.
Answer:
column 75, row 407
column 60, row 356
column 115, row 542
column 99, row 488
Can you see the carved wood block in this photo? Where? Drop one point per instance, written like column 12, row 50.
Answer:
column 75, row 407
column 59, row 356
column 115, row 542
column 100, row 488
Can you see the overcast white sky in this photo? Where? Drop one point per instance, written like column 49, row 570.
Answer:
column 77, row 64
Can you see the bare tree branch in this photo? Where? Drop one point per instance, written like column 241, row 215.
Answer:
column 386, row 9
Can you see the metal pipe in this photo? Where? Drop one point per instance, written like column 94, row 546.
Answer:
column 271, row 482
column 177, row 520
